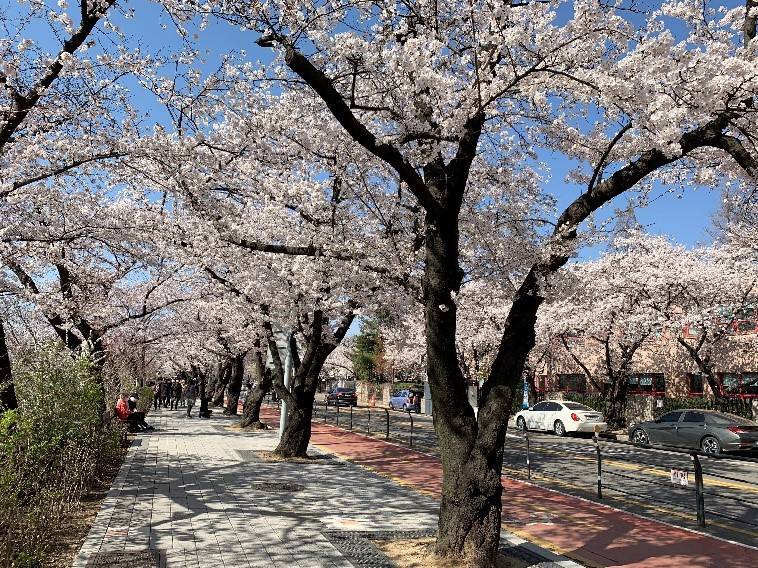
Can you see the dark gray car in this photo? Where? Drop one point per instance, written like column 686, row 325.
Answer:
column 707, row 430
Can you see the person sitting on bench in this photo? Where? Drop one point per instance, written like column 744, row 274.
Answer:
column 135, row 420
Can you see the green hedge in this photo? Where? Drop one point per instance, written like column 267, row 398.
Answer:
column 738, row 406
column 51, row 449
column 597, row 403
column 145, row 400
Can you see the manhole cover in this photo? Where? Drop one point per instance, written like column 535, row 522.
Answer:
column 130, row 559
column 276, row 486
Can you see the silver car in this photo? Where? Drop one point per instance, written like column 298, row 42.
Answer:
column 707, row 430
column 400, row 400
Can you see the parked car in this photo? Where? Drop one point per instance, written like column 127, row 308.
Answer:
column 400, row 400
column 342, row 396
column 710, row 431
column 561, row 417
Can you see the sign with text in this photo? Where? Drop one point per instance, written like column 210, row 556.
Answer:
column 680, row 476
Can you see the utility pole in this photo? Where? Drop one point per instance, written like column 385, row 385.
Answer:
column 287, row 381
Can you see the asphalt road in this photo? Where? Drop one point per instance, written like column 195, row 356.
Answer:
column 637, row 480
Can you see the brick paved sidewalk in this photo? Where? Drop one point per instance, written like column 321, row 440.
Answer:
column 588, row 532
column 194, row 493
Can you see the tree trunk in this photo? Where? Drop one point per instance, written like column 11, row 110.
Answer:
column 297, row 432
column 220, row 386
column 251, row 413
column 469, row 519
column 616, row 396
column 8, row 399
column 235, row 385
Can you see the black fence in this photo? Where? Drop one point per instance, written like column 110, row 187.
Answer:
column 725, row 496
column 398, row 426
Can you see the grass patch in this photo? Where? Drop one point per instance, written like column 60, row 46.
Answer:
column 271, row 457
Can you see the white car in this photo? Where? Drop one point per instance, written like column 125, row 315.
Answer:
column 560, row 416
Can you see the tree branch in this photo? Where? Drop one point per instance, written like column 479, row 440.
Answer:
column 324, row 88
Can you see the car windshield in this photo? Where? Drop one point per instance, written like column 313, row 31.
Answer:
column 723, row 419
column 577, row 406
column 344, row 390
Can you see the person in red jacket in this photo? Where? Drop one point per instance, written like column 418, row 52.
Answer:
column 136, row 420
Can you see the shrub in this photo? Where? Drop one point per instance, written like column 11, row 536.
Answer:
column 51, row 449
column 145, row 400
column 597, row 403
column 738, row 406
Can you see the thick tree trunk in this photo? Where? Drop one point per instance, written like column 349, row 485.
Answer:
column 220, row 386
column 616, row 396
column 469, row 520
column 235, row 385
column 297, row 434
column 8, row 399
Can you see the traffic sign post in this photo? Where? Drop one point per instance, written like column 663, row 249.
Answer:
column 599, row 463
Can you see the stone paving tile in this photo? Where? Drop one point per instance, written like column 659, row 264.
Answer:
column 197, row 492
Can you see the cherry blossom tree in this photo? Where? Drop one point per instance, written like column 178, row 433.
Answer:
column 719, row 290
column 434, row 89
column 610, row 307
column 58, row 111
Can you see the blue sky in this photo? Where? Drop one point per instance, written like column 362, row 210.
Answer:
column 685, row 220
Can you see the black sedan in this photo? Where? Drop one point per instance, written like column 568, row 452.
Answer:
column 707, row 430
column 342, row 396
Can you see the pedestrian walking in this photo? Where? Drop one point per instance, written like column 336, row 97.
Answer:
column 176, row 394
column 156, row 394
column 165, row 392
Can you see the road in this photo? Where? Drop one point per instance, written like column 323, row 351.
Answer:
column 636, row 480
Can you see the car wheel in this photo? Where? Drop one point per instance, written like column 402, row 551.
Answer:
column 521, row 424
column 639, row 437
column 559, row 428
column 405, row 407
column 710, row 445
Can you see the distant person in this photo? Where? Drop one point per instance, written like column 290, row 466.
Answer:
column 156, row 394
column 176, row 394
column 165, row 392
column 190, row 394
column 135, row 420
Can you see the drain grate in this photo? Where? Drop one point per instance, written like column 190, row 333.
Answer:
column 276, row 486
column 128, row 559
column 358, row 548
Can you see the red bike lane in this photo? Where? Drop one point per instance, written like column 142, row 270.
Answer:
column 588, row 532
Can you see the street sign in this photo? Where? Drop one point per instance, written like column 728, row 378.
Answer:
column 525, row 401
column 680, row 476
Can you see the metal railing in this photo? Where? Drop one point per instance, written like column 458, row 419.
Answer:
column 395, row 425
column 605, row 474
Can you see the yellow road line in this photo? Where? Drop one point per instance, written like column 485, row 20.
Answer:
column 651, row 469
